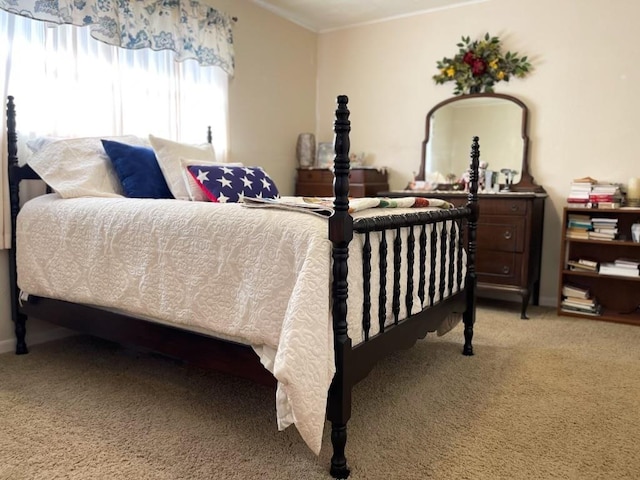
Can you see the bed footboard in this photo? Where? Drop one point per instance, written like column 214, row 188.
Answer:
column 455, row 293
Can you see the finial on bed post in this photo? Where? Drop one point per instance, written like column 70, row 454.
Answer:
column 19, row 319
column 471, row 281
column 209, row 135
column 340, row 234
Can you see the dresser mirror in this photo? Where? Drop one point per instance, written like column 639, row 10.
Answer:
column 500, row 121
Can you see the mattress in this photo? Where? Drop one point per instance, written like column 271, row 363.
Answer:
column 257, row 276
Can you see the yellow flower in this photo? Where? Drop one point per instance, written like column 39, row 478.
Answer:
column 493, row 64
column 500, row 75
column 451, row 72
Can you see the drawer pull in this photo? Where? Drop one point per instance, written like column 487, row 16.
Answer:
column 507, row 235
column 505, row 269
column 514, row 207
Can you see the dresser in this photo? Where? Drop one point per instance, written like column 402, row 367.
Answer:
column 318, row 182
column 509, row 242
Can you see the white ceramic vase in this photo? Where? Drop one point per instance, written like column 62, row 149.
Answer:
column 306, row 150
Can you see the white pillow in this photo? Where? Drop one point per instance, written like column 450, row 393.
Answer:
column 169, row 154
column 195, row 191
column 79, row 167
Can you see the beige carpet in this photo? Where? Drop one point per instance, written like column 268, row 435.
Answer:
column 548, row 398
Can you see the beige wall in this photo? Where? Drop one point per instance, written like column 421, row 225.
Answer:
column 582, row 94
column 272, row 98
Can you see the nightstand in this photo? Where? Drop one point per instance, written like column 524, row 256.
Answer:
column 363, row 182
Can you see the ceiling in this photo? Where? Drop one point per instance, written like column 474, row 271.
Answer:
column 323, row 15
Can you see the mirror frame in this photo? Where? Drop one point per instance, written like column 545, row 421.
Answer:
column 526, row 183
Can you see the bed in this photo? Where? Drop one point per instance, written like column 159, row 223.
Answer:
column 329, row 295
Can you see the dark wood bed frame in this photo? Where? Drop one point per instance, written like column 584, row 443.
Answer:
column 352, row 363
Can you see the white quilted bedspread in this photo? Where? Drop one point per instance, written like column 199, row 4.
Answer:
column 261, row 277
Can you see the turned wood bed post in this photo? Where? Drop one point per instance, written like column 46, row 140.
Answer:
column 340, row 234
column 469, row 316
column 19, row 319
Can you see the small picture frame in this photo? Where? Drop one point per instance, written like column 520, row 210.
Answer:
column 325, row 155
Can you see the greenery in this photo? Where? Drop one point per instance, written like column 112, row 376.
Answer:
column 479, row 65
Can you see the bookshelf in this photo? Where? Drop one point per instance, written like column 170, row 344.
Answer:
column 616, row 297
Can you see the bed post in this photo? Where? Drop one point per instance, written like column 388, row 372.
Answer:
column 471, row 281
column 340, row 234
column 18, row 318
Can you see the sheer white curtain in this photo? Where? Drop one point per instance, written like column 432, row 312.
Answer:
column 66, row 83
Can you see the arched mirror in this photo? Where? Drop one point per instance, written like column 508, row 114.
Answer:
column 501, row 123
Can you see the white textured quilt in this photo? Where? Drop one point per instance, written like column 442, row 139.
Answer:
column 257, row 276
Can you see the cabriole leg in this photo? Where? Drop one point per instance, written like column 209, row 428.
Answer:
column 339, row 467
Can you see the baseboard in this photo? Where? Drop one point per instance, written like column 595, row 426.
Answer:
column 38, row 337
column 549, row 301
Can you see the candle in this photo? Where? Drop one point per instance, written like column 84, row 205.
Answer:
column 633, row 188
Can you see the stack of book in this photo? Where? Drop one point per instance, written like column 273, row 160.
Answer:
column 578, row 299
column 603, row 228
column 580, row 192
column 605, row 195
column 583, row 265
column 625, row 267
column 578, row 226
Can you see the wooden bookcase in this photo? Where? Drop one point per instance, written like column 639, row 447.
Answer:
column 618, row 295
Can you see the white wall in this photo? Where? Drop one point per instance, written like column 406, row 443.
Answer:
column 582, row 94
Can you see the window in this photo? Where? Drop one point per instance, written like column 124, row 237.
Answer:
column 66, row 83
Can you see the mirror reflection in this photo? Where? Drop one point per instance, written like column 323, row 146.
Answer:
column 499, row 120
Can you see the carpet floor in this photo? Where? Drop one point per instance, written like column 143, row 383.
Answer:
column 548, row 398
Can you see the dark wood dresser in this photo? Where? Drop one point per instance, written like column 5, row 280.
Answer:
column 318, row 182
column 509, row 242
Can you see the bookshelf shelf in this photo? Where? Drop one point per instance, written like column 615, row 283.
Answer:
column 573, row 273
column 615, row 298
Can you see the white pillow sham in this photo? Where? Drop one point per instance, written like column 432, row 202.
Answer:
column 169, row 153
column 79, row 167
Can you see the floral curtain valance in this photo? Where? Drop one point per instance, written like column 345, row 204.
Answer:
column 189, row 28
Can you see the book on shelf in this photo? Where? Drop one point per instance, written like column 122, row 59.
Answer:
column 607, row 205
column 593, row 235
column 578, row 234
column 588, row 262
column 577, row 266
column 604, row 221
column 627, row 262
column 584, row 303
column 596, row 313
column 610, row 268
column 585, row 180
column 576, row 291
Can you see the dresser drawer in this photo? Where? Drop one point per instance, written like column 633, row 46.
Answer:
column 501, row 206
column 499, row 267
column 363, row 182
column 501, row 233
column 315, row 176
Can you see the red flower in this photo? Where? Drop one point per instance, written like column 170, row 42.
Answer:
column 469, row 58
column 478, row 67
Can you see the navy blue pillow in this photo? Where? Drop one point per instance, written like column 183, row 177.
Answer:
column 138, row 170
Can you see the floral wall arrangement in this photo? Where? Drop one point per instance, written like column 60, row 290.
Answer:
column 479, row 65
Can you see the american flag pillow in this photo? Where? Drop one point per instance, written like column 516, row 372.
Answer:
column 227, row 184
